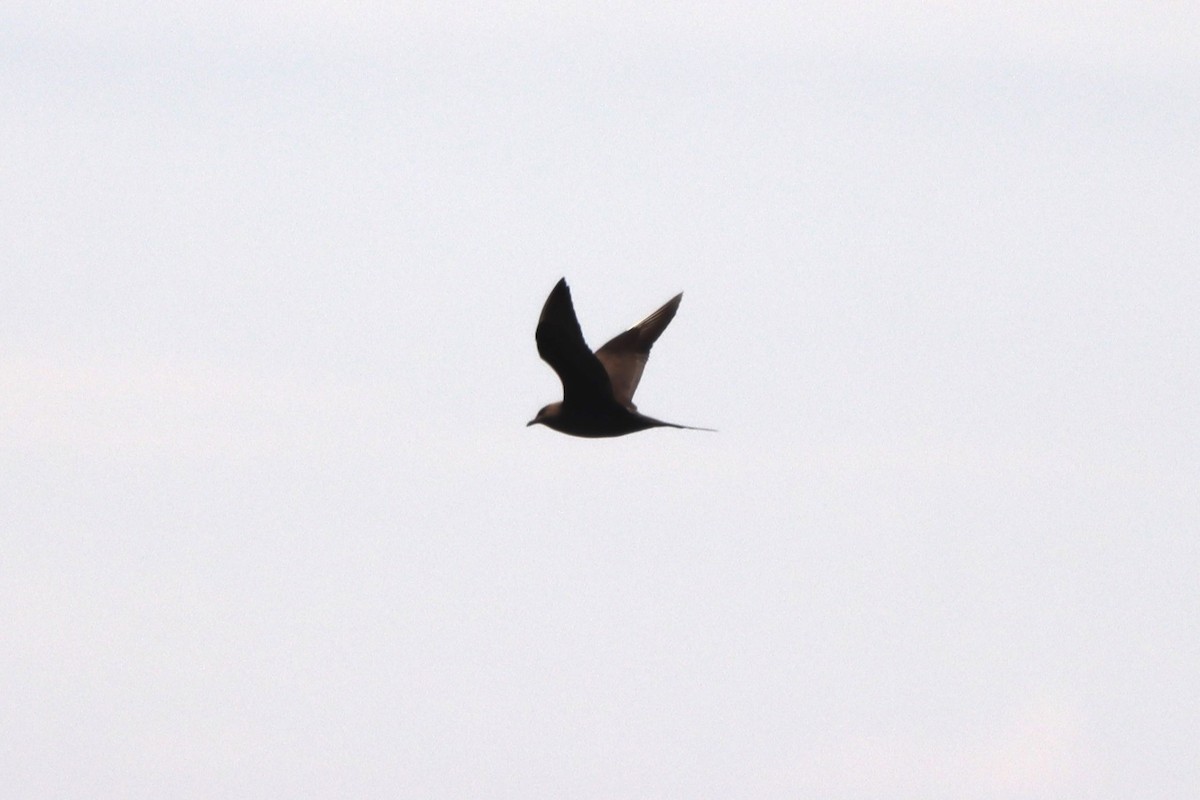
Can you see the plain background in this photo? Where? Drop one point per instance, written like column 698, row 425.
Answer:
column 271, row 524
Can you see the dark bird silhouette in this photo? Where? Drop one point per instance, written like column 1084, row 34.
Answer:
column 597, row 387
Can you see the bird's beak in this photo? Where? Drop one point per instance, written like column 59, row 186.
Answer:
column 531, row 422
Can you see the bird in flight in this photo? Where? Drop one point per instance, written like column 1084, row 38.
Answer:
column 597, row 387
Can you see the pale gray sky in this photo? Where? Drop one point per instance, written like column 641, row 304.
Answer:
column 271, row 524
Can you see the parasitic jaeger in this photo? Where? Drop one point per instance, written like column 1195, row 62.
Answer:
column 597, row 387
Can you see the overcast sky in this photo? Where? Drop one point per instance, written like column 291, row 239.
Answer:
column 271, row 524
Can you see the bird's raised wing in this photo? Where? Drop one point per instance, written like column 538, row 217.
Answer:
column 624, row 356
column 560, row 343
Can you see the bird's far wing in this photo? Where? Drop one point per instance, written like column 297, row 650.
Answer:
column 560, row 343
column 624, row 356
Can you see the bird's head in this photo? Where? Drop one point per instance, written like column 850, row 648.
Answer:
column 546, row 414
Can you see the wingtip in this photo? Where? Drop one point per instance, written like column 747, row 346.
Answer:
column 560, row 291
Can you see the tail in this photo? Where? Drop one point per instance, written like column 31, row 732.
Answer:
column 660, row 424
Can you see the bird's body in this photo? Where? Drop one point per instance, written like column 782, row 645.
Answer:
column 597, row 387
column 597, row 423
